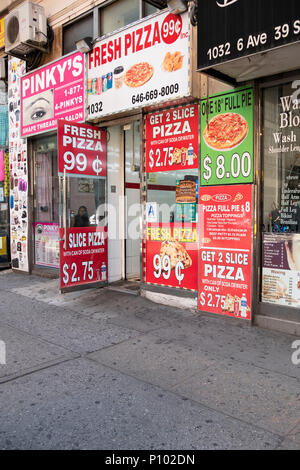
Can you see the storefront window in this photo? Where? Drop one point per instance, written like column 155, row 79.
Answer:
column 46, row 227
column 165, row 189
column 118, row 14
column 281, row 200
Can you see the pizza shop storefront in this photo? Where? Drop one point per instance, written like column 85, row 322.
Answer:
column 147, row 100
column 265, row 55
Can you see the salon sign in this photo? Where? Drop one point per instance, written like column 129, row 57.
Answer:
column 54, row 91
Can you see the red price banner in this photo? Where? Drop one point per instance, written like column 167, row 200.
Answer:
column 172, row 255
column 172, row 139
column 225, row 244
column 81, row 149
column 83, row 260
column 171, row 28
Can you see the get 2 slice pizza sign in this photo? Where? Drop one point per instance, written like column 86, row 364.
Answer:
column 172, row 139
column 227, row 138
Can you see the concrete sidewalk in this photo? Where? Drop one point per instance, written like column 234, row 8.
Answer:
column 100, row 369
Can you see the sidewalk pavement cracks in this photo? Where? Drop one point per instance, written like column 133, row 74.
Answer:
column 99, row 369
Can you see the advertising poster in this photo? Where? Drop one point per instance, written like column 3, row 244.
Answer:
column 54, row 91
column 84, row 258
column 281, row 269
column 2, row 33
column 172, row 139
column 172, row 255
column 225, row 240
column 46, row 244
column 227, row 138
column 81, row 150
column 18, row 165
column 186, row 199
column 141, row 65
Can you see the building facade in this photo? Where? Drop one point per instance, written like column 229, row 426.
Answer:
column 127, row 165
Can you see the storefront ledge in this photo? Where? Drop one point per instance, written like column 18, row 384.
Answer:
column 172, row 299
column 276, row 324
column 49, row 273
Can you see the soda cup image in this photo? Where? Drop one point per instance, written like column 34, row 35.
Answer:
column 99, row 86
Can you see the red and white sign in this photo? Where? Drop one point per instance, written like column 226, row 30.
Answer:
column 172, row 255
column 172, row 139
column 225, row 243
column 81, row 150
column 54, row 91
column 84, row 260
column 141, row 65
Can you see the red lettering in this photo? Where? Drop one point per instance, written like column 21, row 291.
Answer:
column 148, row 31
column 110, row 51
column 103, row 53
column 97, row 60
column 128, row 42
column 118, row 49
column 139, row 33
column 156, row 34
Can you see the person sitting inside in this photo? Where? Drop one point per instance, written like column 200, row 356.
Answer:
column 81, row 219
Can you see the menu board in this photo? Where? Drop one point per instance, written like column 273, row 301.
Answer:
column 281, row 269
column 225, row 245
column 227, row 138
column 46, row 243
column 172, row 139
column 172, row 255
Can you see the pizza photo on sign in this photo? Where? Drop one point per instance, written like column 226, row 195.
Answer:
column 176, row 252
column 225, row 131
column 138, row 74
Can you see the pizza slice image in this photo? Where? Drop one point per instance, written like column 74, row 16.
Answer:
column 225, row 131
column 138, row 74
column 176, row 252
column 238, row 197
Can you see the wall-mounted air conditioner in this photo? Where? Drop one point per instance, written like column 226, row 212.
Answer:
column 25, row 29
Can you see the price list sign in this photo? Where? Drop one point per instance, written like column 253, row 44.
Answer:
column 225, row 246
column 81, row 150
column 83, row 256
column 172, row 139
column 172, row 255
column 227, row 138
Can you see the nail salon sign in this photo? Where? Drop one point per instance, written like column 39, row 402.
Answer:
column 54, row 91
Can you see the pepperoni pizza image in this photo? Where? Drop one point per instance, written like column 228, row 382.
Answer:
column 138, row 74
column 225, row 131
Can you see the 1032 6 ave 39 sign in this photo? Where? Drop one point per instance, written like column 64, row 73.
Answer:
column 231, row 29
column 81, row 150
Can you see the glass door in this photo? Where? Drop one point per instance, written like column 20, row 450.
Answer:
column 45, row 223
column 82, row 218
column 132, row 197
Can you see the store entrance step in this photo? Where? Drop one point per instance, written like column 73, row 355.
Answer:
column 129, row 287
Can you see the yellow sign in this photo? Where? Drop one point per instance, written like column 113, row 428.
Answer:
column 2, row 37
column 3, row 250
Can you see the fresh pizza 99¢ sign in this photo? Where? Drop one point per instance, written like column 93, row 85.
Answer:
column 81, row 150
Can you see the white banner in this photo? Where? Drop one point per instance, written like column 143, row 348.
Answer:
column 144, row 64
